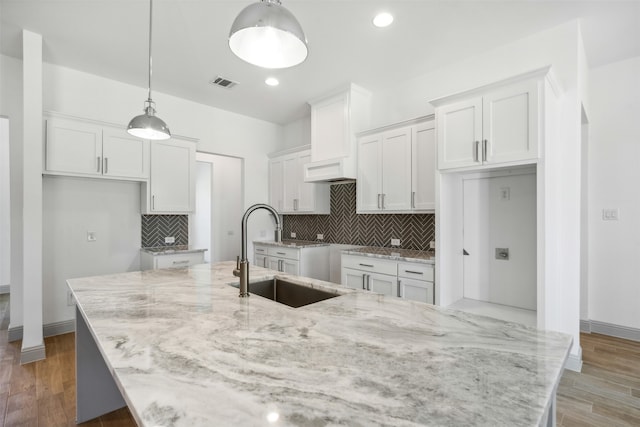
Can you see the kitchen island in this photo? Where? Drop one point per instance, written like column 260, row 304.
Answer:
column 181, row 349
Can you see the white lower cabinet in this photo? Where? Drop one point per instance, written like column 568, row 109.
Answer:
column 413, row 281
column 174, row 260
column 310, row 262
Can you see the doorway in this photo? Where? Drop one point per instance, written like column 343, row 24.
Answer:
column 499, row 238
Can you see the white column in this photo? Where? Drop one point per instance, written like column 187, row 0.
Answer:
column 5, row 207
column 32, row 340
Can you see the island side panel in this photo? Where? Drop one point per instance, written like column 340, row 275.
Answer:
column 96, row 391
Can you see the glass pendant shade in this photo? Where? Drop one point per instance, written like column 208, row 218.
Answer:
column 148, row 126
column 268, row 35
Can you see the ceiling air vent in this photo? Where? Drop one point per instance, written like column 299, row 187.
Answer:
column 222, row 82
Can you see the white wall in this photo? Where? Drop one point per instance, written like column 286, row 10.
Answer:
column 5, row 207
column 614, row 176
column 71, row 208
column 297, row 133
column 200, row 221
column 84, row 95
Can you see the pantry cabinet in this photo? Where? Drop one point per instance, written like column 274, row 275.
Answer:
column 76, row 147
column 396, row 169
column 492, row 127
column 289, row 193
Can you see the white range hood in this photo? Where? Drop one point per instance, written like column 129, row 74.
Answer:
column 335, row 120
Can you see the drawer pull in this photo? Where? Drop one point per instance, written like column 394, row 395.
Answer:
column 413, row 272
column 367, row 265
column 186, row 261
column 281, row 253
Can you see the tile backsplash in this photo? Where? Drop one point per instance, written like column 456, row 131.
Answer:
column 156, row 227
column 343, row 225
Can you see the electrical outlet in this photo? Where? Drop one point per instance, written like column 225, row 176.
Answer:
column 320, row 237
column 395, row 242
column 91, row 236
column 70, row 299
column 170, row 239
column 432, row 244
column 293, row 235
column 610, row 214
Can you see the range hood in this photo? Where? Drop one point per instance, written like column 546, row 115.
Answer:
column 335, row 120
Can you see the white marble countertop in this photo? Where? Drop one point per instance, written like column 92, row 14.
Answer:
column 397, row 254
column 169, row 250
column 186, row 351
column 291, row 243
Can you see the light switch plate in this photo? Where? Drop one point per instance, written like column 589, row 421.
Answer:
column 395, row 242
column 293, row 235
column 170, row 239
column 610, row 214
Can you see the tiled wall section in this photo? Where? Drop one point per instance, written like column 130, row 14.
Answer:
column 156, row 227
column 343, row 225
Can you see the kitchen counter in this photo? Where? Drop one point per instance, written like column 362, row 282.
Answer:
column 178, row 249
column 184, row 350
column 397, row 254
column 291, row 243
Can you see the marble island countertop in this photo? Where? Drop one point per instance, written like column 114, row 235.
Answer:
column 291, row 243
column 184, row 350
column 426, row 257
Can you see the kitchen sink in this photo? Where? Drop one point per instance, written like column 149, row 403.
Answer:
column 288, row 293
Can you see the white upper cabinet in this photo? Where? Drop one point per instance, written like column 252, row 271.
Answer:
column 497, row 125
column 423, row 166
column 81, row 148
column 396, row 169
column 171, row 188
column 335, row 120
column 289, row 193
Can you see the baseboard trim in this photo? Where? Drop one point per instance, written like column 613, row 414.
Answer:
column 5, row 289
column 574, row 361
column 48, row 330
column 585, row 326
column 32, row 354
column 610, row 329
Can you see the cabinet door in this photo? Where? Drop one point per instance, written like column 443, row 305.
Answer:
column 291, row 180
column 124, row 155
column 510, row 123
column 396, row 170
column 330, row 128
column 353, row 279
column 276, row 184
column 416, row 290
column 260, row 260
column 459, row 134
column 382, row 284
column 369, row 183
column 273, row 263
column 172, row 176
column 73, row 147
column 423, row 168
column 306, row 190
column 290, row 266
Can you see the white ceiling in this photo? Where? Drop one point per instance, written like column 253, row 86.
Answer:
column 109, row 38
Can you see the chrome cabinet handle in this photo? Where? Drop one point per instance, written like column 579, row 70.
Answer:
column 364, row 281
column 281, row 253
column 106, row 165
column 264, row 262
column 379, row 201
column 98, row 163
column 153, row 202
column 477, row 151
column 413, row 200
column 413, row 272
column 368, row 282
column 367, row 265
column 383, row 200
column 484, row 150
column 295, row 204
column 181, row 262
column 399, row 294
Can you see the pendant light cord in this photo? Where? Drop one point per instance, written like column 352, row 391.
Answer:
column 150, row 34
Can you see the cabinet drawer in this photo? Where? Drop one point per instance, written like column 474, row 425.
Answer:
column 374, row 265
column 280, row 252
column 261, row 250
column 416, row 271
column 179, row 260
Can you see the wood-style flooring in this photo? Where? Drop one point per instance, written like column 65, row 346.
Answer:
column 42, row 394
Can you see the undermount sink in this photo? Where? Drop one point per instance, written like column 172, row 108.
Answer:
column 288, row 293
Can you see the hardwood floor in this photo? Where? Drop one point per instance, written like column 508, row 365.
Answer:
column 606, row 393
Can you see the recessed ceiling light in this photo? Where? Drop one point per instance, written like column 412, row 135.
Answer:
column 272, row 81
column 383, row 19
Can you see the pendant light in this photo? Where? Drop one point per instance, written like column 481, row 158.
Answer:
column 148, row 125
column 268, row 35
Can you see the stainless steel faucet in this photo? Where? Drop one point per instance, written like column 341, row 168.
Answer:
column 242, row 265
